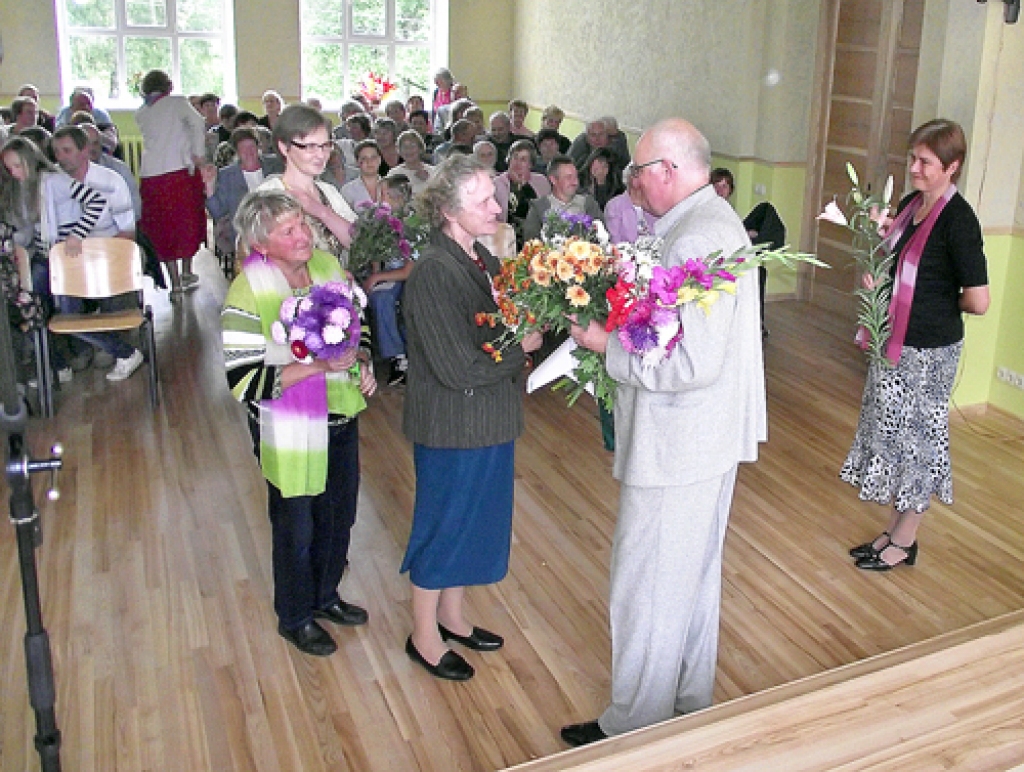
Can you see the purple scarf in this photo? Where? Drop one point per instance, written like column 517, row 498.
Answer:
column 906, row 267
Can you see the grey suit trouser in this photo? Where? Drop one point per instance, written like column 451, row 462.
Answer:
column 666, row 586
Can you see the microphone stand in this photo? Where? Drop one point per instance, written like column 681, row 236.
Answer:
column 25, row 518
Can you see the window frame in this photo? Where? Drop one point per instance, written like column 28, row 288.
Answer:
column 436, row 43
column 121, row 31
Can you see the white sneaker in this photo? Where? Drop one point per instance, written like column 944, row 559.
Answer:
column 65, row 375
column 123, row 368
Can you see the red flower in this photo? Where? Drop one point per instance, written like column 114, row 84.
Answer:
column 621, row 302
column 299, row 350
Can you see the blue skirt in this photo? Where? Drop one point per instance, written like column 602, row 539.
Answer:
column 462, row 520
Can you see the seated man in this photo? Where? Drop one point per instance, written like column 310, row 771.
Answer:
column 501, row 137
column 563, row 199
column 597, row 135
column 71, row 148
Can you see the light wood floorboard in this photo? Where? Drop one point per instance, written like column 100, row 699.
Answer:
column 155, row 574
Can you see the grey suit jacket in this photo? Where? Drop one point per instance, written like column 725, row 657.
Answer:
column 456, row 395
column 701, row 411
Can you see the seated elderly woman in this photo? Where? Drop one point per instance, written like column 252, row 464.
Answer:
column 463, row 412
column 516, row 188
column 486, row 153
column 302, row 414
column 303, row 141
column 273, row 104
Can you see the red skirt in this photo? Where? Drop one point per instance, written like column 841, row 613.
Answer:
column 174, row 213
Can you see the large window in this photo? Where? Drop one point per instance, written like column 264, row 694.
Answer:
column 110, row 44
column 345, row 40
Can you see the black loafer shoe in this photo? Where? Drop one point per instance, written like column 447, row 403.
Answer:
column 450, row 667
column 310, row 639
column 583, row 734
column 478, row 640
column 342, row 613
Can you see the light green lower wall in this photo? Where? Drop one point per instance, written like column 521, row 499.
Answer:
column 997, row 339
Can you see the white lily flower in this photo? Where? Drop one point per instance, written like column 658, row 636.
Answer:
column 852, row 173
column 834, row 214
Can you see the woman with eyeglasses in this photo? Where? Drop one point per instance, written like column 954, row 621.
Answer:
column 302, row 138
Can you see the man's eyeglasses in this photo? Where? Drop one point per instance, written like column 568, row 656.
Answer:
column 309, row 147
column 638, row 167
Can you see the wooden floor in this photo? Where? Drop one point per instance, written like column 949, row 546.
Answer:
column 157, row 592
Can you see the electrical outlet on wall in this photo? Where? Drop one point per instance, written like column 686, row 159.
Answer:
column 760, row 189
column 1006, row 375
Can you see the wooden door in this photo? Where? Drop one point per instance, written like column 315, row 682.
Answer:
column 867, row 70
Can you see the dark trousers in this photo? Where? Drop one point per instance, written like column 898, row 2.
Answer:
column 311, row 533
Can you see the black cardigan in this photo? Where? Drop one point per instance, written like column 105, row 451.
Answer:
column 456, row 395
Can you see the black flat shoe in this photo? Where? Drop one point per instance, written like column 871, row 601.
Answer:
column 450, row 667
column 583, row 734
column 478, row 640
column 875, row 562
column 342, row 613
column 867, row 549
column 310, row 639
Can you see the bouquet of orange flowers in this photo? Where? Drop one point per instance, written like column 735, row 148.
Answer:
column 545, row 284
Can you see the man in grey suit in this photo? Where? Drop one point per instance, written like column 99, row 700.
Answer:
column 682, row 427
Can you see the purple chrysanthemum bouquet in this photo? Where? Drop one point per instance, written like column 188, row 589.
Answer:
column 324, row 324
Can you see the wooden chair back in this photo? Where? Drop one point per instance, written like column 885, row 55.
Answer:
column 106, row 267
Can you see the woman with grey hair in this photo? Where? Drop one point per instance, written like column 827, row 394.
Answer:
column 302, row 137
column 302, row 415
column 463, row 412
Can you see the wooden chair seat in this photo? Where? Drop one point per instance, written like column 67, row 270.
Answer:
column 115, row 321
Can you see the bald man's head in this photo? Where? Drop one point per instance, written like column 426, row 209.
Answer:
column 672, row 160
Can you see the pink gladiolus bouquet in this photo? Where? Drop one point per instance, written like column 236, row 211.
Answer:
column 323, row 325
column 647, row 298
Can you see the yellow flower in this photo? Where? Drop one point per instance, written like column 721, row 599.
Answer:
column 729, row 286
column 537, row 263
column 577, row 296
column 564, row 270
column 542, row 277
column 707, row 301
column 686, row 294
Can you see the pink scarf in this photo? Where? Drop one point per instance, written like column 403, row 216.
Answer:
column 906, row 267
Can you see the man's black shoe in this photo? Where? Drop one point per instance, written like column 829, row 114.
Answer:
column 310, row 639
column 342, row 613
column 583, row 734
